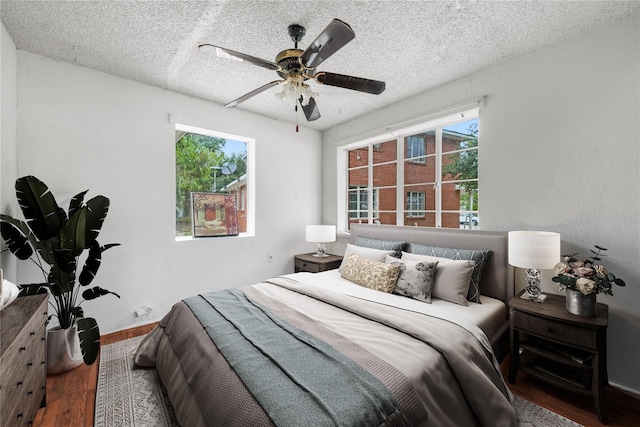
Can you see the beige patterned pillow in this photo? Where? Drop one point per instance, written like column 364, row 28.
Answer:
column 371, row 274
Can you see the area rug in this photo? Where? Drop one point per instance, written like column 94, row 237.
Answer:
column 129, row 396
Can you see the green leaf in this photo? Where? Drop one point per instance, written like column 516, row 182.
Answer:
column 16, row 241
column 39, row 207
column 77, row 312
column 60, row 281
column 91, row 265
column 32, row 289
column 89, row 335
column 108, row 246
column 72, row 235
column 96, row 292
column 97, row 209
column 619, row 282
column 76, row 202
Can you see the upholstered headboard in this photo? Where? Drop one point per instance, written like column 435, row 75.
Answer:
column 498, row 276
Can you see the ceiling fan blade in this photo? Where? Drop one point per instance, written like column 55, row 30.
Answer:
column 336, row 35
column 253, row 93
column 349, row 82
column 311, row 111
column 236, row 56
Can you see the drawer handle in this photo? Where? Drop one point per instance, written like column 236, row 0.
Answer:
column 32, row 333
column 22, row 349
column 30, row 364
column 19, row 384
column 19, row 416
column 30, row 393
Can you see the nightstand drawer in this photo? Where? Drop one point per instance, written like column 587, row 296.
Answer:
column 307, row 266
column 556, row 331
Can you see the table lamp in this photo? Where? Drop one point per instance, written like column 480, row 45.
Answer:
column 321, row 234
column 534, row 251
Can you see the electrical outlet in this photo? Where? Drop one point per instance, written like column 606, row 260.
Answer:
column 142, row 312
column 269, row 258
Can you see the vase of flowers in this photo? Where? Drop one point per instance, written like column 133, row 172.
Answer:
column 583, row 280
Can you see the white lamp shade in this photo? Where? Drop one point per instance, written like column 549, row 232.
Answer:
column 321, row 233
column 534, row 249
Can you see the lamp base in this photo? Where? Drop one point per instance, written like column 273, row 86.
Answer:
column 322, row 250
column 533, row 285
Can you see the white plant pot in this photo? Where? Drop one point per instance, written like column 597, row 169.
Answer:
column 63, row 350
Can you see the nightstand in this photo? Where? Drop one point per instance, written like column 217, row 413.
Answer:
column 307, row 262
column 561, row 348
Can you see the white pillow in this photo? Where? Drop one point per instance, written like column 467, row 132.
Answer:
column 452, row 277
column 362, row 252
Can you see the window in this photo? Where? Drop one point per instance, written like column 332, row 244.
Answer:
column 434, row 165
column 415, row 203
column 359, row 202
column 212, row 162
column 416, row 148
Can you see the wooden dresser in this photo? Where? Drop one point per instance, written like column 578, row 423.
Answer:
column 23, row 369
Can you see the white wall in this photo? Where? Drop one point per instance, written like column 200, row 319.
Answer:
column 559, row 151
column 8, row 138
column 80, row 129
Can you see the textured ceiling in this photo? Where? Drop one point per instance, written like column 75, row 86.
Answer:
column 411, row 45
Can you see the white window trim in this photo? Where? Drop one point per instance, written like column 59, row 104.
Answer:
column 251, row 184
column 465, row 111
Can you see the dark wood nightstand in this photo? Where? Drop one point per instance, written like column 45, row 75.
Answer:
column 307, row 262
column 561, row 348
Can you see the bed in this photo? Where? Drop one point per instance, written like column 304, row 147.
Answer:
column 309, row 349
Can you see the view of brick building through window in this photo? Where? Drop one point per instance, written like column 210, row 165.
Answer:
column 430, row 176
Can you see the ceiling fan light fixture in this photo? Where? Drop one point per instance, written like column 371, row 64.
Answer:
column 292, row 90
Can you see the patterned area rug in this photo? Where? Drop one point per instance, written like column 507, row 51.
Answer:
column 130, row 396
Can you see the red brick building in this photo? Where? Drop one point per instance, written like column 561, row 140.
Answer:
column 419, row 172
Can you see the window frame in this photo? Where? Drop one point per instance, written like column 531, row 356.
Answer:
column 436, row 122
column 250, row 207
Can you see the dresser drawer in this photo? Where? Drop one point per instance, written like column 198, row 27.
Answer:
column 562, row 332
column 23, row 370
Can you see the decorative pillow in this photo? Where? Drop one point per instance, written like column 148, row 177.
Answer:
column 452, row 277
column 372, row 254
column 480, row 258
column 386, row 245
column 416, row 278
column 371, row 274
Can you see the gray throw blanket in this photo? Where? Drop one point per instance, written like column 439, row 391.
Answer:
column 281, row 365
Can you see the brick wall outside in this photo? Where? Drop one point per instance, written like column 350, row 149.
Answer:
column 414, row 173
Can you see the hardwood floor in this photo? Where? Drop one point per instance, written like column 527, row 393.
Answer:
column 71, row 396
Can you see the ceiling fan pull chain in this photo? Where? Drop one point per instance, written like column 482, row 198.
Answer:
column 297, row 118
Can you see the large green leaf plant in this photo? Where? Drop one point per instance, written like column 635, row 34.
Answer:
column 55, row 242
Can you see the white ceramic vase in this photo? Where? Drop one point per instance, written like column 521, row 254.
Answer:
column 63, row 350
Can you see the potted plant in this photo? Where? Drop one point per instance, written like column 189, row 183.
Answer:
column 57, row 242
column 583, row 280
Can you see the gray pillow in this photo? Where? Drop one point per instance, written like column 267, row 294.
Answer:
column 416, row 278
column 385, row 245
column 452, row 277
column 480, row 258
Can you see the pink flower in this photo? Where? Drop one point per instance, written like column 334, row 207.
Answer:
column 583, row 271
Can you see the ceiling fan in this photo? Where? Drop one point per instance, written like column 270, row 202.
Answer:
column 296, row 66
